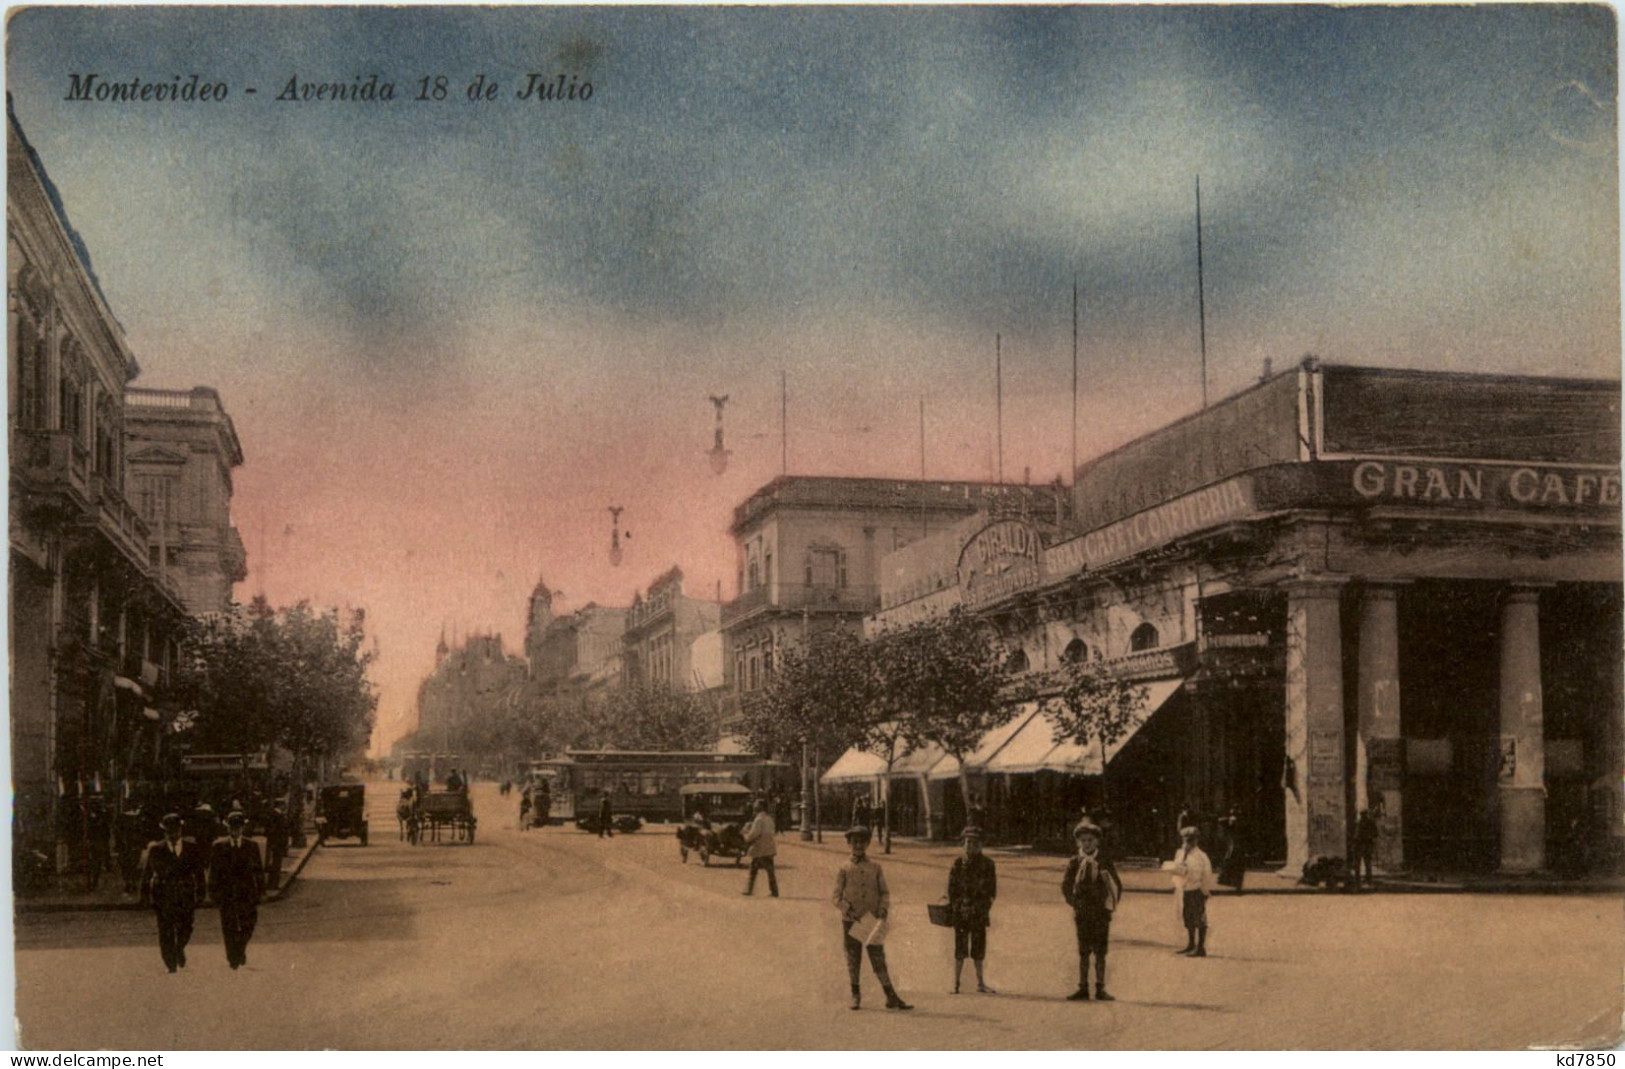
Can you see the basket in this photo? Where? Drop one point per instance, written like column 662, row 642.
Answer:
column 938, row 912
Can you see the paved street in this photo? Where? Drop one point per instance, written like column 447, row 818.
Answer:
column 556, row 939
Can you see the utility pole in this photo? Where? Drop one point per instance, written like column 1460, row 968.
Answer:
column 1201, row 293
column 998, row 402
column 1072, row 476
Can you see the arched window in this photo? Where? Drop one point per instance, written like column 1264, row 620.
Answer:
column 1016, row 663
column 1075, row 652
column 1145, row 637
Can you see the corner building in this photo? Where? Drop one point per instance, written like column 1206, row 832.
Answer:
column 1344, row 588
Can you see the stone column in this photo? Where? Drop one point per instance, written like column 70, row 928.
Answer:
column 1316, row 816
column 1379, row 768
column 1521, row 781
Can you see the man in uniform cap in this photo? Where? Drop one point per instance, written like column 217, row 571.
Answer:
column 237, row 880
column 1092, row 888
column 860, row 890
column 172, row 879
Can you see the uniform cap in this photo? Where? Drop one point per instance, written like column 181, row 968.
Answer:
column 857, row 832
column 235, row 817
column 1086, row 827
column 170, row 820
column 1190, row 829
column 973, row 832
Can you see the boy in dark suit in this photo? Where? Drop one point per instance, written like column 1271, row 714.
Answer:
column 237, row 880
column 1092, row 888
column 172, row 879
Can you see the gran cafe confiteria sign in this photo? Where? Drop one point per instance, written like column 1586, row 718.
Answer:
column 1008, row 556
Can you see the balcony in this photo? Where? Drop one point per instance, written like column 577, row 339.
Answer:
column 798, row 598
column 52, row 462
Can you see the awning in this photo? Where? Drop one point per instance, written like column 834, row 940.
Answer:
column 854, row 766
column 1034, row 746
column 917, row 762
column 992, row 743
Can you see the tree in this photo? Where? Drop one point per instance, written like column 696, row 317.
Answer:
column 294, row 677
column 648, row 717
column 1094, row 704
column 821, row 696
column 950, row 673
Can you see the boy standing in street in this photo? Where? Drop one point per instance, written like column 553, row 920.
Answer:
column 1193, row 880
column 972, row 886
column 860, row 889
column 1092, row 888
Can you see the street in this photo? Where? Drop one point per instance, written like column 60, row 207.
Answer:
column 556, row 939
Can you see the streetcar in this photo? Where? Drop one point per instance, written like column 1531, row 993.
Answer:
column 647, row 784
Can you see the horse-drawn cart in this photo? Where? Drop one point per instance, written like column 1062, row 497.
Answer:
column 449, row 811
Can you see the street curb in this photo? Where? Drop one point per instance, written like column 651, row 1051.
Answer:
column 1268, row 882
column 138, row 907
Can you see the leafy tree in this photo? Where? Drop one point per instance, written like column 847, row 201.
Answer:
column 644, row 717
column 949, row 672
column 820, row 696
column 293, row 677
column 1093, row 704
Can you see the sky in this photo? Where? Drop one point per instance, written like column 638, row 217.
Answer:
column 451, row 334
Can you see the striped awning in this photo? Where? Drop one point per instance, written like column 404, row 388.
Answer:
column 991, row 744
column 1034, row 747
column 854, row 766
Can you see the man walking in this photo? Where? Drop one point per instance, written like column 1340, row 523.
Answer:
column 237, row 882
column 759, row 837
column 276, row 845
column 172, row 879
column 606, row 816
column 1092, row 888
column 1365, row 846
column 1193, row 882
column 860, row 891
column 972, row 885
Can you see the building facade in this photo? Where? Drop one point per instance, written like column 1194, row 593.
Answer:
column 661, row 628
column 94, row 627
column 466, row 687
column 1344, row 589
column 810, row 550
column 578, row 652
column 182, row 448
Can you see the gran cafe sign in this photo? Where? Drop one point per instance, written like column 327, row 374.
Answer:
column 1527, row 486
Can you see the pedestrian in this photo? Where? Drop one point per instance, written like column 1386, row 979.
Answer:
column 860, row 891
column 202, row 827
column 1365, row 845
column 606, row 815
column 1092, row 888
column 1233, row 865
column 237, row 881
column 860, row 811
column 276, row 844
column 172, row 880
column 972, row 885
column 1193, row 882
column 759, row 837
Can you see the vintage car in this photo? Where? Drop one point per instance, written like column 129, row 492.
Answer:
column 713, row 815
column 341, row 812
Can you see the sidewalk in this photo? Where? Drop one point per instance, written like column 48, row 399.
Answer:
column 1146, row 877
column 110, row 896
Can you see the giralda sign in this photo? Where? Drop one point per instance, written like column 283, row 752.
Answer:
column 1000, row 559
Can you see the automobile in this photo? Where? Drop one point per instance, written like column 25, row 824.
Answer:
column 341, row 812
column 714, row 814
